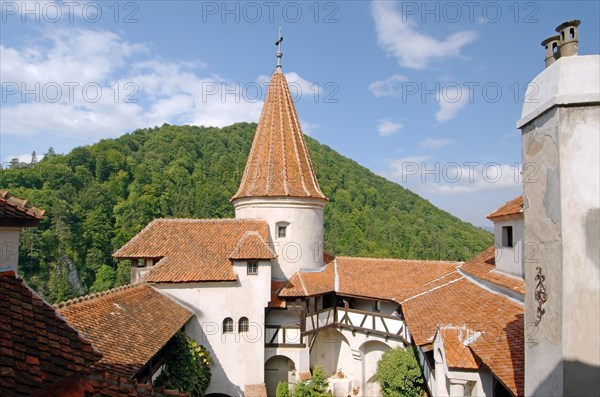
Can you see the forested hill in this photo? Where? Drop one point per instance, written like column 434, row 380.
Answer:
column 97, row 197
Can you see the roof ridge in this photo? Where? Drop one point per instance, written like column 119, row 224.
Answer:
column 95, row 295
column 401, row 259
column 434, row 288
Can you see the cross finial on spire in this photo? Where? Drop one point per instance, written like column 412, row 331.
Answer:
column 279, row 53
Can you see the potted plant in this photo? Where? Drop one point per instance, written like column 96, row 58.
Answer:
column 340, row 373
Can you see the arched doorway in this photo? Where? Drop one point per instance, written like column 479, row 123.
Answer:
column 371, row 353
column 278, row 369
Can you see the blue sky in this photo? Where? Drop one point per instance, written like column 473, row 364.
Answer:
column 424, row 93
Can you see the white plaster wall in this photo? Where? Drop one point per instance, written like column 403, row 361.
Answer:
column 369, row 306
column 9, row 248
column 238, row 358
column 510, row 259
column 579, row 130
column 561, row 228
column 302, row 248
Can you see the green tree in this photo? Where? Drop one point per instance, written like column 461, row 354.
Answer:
column 399, row 374
column 105, row 279
column 187, row 367
column 283, row 390
column 315, row 387
column 123, row 276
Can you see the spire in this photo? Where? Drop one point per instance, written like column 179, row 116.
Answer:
column 279, row 53
column 279, row 164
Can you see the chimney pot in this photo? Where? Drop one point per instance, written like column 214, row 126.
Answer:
column 569, row 41
column 552, row 45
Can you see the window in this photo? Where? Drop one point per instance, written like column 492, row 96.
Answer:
column 227, row 325
column 377, row 306
column 243, row 325
column 507, row 236
column 252, row 268
column 281, row 231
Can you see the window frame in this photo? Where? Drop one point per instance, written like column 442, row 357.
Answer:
column 252, row 265
column 508, row 237
column 243, row 325
column 226, row 328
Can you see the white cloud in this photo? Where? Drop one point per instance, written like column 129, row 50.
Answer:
column 398, row 37
column 308, row 127
column 388, row 128
column 135, row 90
column 431, row 143
column 387, row 87
column 429, row 177
column 452, row 98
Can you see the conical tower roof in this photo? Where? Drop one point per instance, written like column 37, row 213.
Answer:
column 279, row 164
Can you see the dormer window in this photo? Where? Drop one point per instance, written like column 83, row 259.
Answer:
column 507, row 236
column 252, row 268
column 282, row 229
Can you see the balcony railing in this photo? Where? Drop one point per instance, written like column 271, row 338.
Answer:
column 284, row 336
column 373, row 323
column 318, row 320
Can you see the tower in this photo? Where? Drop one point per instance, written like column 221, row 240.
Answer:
column 279, row 184
column 560, row 151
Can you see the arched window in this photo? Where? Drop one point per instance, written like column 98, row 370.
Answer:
column 243, row 324
column 228, row 325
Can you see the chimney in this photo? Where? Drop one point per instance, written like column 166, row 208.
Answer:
column 569, row 43
column 552, row 45
column 565, row 44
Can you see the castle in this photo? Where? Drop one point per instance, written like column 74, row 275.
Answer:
column 259, row 292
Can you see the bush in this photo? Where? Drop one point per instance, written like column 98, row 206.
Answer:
column 283, row 390
column 187, row 367
column 316, row 386
column 399, row 374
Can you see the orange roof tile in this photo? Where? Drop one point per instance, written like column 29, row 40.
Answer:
column 38, row 348
column 192, row 250
column 483, row 266
column 252, row 246
column 128, row 324
column 279, row 164
column 17, row 212
column 259, row 390
column 104, row 384
column 512, row 207
column 462, row 303
column 305, row 283
column 457, row 352
column 276, row 301
column 391, row 279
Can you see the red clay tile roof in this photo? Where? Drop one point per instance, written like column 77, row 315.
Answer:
column 38, row 348
column 252, row 246
column 462, row 303
column 483, row 266
column 104, row 384
column 457, row 352
column 192, row 250
column 276, row 301
column 259, row 390
column 305, row 283
column 391, row 279
column 279, row 164
column 18, row 212
column 512, row 207
column 128, row 324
